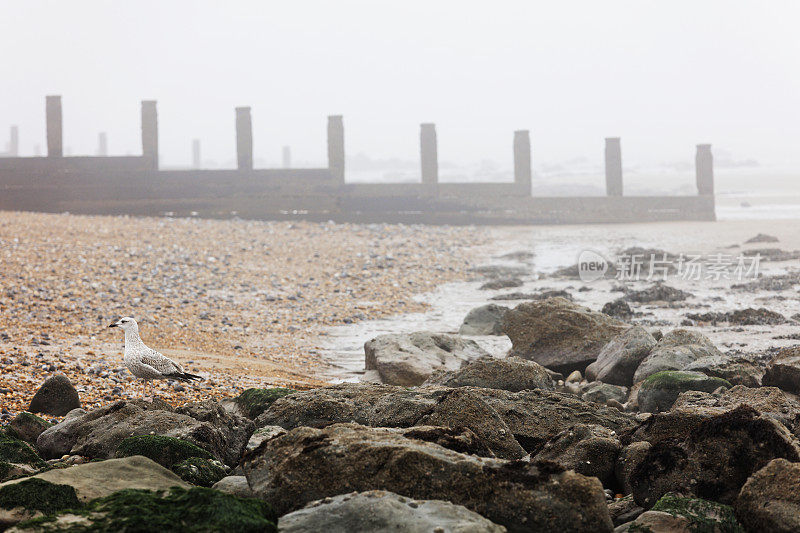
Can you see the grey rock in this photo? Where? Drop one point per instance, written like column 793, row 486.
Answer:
column 624, row 510
column 378, row 510
column 501, row 283
column 409, row 359
column 512, row 374
column 627, row 461
column 263, row 434
column 618, row 360
column 676, row 350
column 55, row 397
column 484, row 320
column 738, row 369
column 234, row 429
column 347, row 457
column 587, row 449
column 659, row 391
column 235, row 485
column 770, row 500
column 599, row 392
column 784, row 371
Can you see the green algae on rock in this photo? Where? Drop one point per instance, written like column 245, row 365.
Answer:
column 14, row 450
column 253, row 402
column 38, row 495
column 166, row 451
column 199, row 471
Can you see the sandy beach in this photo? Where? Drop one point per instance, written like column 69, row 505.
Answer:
column 239, row 302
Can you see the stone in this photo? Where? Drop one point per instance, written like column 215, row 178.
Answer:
column 559, row 334
column 628, row 459
column 378, row 510
column 512, row 374
column 253, row 402
column 18, row 452
column 27, row 426
column 263, row 434
column 484, row 320
column 676, row 349
column 348, row 457
column 98, row 433
column 599, row 392
column 624, row 510
column 233, row 428
column 29, row 498
column 55, row 397
column 784, row 371
column 770, row 499
column 235, row 486
column 618, row 308
column 166, row 451
column 587, row 449
column 199, row 471
column 101, row 478
column 533, row 417
column 409, row 359
column 713, row 460
column 618, row 360
column 657, row 293
column 660, row 390
column 761, row 237
column 501, row 283
column 737, row 369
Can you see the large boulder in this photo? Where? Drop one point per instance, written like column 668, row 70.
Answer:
column 511, row 374
column 675, row 350
column 618, row 360
column 408, row 359
column 533, row 417
column 98, row 433
column 770, row 500
column 348, row 457
column 378, row 510
column 784, row 371
column 55, row 397
column 660, row 390
column 101, row 478
column 714, row 460
column 737, row 369
column 27, row 426
column 559, row 334
column 484, row 320
column 585, row 448
column 234, row 429
column 676, row 514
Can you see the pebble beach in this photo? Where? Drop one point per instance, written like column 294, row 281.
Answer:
column 242, row 303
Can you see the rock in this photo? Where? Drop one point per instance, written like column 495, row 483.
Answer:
column 737, row 369
column 742, row 317
column 234, row 485
column 532, row 296
column 98, row 433
column 27, row 426
column 574, row 377
column 761, row 237
column 675, row 350
column 484, row 320
column 657, row 293
column 101, row 478
column 378, row 510
column 713, row 460
column 599, row 392
column 234, row 429
column 29, row 498
column 587, row 449
column 618, row 308
column 55, row 397
column 501, row 283
column 196, row 509
column 770, row 500
column 262, row 434
column 660, row 390
column 618, row 360
column 166, row 451
column 559, row 334
column 784, row 371
column 18, row 452
column 347, row 457
column 14, row 470
column 674, row 513
column 774, row 254
column 628, row 460
column 459, row 439
column 253, row 402
column 500, row 271
column 533, row 416
column 408, row 359
column 624, row 510
column 511, row 374
column 199, row 471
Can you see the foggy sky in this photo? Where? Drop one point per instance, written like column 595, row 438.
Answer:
column 662, row 75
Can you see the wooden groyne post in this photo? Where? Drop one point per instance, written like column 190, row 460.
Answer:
column 336, row 147
column 287, row 157
column 429, row 157
column 244, row 139
column 196, row 163
column 522, row 159
column 55, row 147
column 704, row 169
column 150, row 133
column 13, row 142
column 102, row 144
column 613, row 166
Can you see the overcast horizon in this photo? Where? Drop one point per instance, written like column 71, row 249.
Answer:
column 663, row 76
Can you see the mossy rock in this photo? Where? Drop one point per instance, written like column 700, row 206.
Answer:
column 660, row 390
column 253, row 402
column 704, row 516
column 36, row 494
column 166, row 451
column 27, row 426
column 199, row 471
column 180, row 510
column 14, row 450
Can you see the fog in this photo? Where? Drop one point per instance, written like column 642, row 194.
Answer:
column 664, row 76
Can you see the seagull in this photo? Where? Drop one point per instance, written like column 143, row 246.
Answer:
column 144, row 362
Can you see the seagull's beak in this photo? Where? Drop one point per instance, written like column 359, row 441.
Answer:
column 114, row 325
